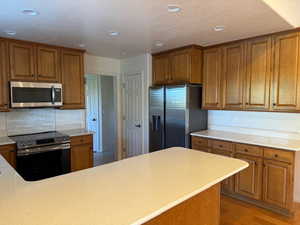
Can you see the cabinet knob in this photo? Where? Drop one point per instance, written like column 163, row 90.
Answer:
column 247, row 103
column 221, row 146
column 246, row 150
column 276, row 155
column 274, row 104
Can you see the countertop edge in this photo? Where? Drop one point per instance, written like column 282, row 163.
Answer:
column 244, row 142
column 186, row 197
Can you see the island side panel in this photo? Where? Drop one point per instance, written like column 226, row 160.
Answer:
column 297, row 178
column 202, row 209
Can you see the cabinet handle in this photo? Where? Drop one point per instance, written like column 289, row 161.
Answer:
column 221, row 146
column 276, row 155
column 246, row 150
column 274, row 104
column 247, row 103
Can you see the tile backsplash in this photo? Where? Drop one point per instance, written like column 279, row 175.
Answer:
column 23, row 121
column 285, row 125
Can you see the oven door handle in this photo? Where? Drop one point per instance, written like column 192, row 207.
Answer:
column 32, row 151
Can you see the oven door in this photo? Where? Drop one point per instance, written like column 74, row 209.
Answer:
column 33, row 166
column 34, row 94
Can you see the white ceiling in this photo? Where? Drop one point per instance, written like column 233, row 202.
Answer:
column 141, row 23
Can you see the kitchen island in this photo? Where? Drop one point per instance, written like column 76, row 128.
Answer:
column 170, row 187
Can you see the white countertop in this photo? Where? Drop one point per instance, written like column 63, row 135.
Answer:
column 127, row 192
column 272, row 142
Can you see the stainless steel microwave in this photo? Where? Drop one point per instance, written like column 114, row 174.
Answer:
column 34, row 94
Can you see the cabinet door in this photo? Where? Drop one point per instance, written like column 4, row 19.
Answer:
column 249, row 181
column 48, row 65
column 22, row 61
column 285, row 80
column 9, row 153
column 73, row 79
column 180, row 67
column 212, row 78
column 81, row 157
column 3, row 76
column 234, row 74
column 227, row 185
column 278, row 184
column 161, row 69
column 257, row 88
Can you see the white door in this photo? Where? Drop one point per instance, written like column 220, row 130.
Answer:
column 92, row 114
column 133, row 114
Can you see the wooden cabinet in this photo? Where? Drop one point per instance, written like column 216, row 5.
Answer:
column 257, row 82
column 233, row 75
column 267, row 182
column 227, row 185
column 212, row 78
column 48, row 64
column 179, row 66
column 81, row 152
column 277, row 184
column 286, row 79
column 161, row 69
column 3, row 76
column 22, row 61
column 73, row 79
column 9, row 153
column 249, row 181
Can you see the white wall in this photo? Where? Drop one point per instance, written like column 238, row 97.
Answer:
column 141, row 64
column 23, row 121
column 262, row 123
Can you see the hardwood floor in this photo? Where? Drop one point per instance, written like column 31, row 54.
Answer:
column 234, row 212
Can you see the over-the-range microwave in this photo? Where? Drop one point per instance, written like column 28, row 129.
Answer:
column 35, row 94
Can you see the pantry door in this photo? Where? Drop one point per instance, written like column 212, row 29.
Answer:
column 133, row 111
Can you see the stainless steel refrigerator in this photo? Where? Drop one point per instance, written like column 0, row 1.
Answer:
column 175, row 112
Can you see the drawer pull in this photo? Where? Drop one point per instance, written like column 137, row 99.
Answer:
column 276, row 155
column 246, row 150
column 221, row 146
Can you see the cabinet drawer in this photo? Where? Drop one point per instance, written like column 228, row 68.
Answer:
column 249, row 150
column 198, row 141
column 201, row 148
column 79, row 140
column 223, row 145
column 279, row 155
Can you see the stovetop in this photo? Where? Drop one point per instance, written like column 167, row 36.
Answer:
column 39, row 139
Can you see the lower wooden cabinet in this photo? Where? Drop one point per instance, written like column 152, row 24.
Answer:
column 81, row 152
column 248, row 182
column 269, row 179
column 277, row 183
column 9, row 153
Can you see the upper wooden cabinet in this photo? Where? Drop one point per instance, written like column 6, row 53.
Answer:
column 3, row 76
column 233, row 75
column 22, row 61
column 178, row 66
column 285, row 79
column 48, row 64
column 257, row 84
column 34, row 62
column 161, row 69
column 73, row 79
column 212, row 63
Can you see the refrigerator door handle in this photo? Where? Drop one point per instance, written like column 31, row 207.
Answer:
column 155, row 123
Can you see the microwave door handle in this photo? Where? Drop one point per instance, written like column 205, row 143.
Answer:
column 52, row 95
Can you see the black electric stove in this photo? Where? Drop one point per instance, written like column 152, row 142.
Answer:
column 42, row 155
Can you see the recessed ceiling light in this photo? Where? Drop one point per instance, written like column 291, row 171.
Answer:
column 81, row 45
column 174, row 8
column 219, row 28
column 114, row 33
column 30, row 12
column 10, row 32
column 159, row 44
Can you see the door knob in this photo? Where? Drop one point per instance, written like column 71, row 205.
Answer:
column 138, row 125
column 94, row 119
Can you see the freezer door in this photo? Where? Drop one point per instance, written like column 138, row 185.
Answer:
column 175, row 116
column 156, row 117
